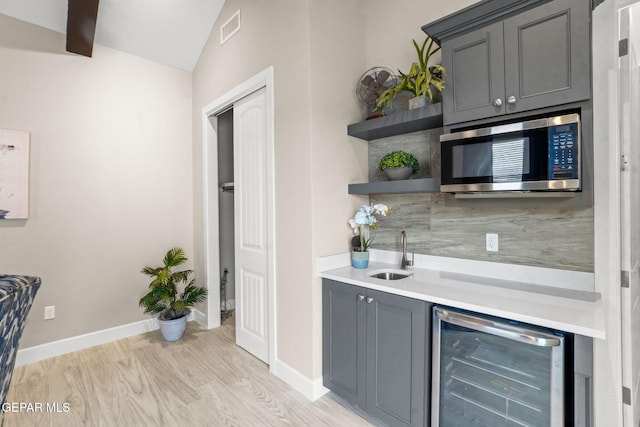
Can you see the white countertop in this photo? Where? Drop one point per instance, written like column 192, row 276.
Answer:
column 534, row 295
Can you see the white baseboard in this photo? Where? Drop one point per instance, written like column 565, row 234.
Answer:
column 199, row 317
column 80, row 342
column 202, row 318
column 312, row 390
column 319, row 389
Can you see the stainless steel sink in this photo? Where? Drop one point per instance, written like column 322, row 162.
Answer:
column 389, row 275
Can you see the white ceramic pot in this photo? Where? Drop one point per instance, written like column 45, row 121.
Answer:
column 172, row 330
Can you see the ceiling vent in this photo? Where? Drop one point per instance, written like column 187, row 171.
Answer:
column 230, row 27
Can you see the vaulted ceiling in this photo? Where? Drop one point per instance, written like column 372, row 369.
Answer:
column 171, row 32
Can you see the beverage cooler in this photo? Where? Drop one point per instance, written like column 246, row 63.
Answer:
column 493, row 372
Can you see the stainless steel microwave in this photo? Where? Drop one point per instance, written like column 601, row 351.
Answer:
column 536, row 155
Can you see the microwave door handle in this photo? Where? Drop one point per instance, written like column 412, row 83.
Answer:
column 503, row 330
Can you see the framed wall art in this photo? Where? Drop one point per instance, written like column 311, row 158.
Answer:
column 14, row 174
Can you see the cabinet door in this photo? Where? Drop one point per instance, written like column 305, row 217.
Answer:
column 344, row 341
column 547, row 56
column 474, row 83
column 396, row 359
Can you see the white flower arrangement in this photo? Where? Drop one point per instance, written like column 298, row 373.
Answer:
column 364, row 218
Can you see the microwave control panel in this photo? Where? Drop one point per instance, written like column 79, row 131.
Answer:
column 563, row 151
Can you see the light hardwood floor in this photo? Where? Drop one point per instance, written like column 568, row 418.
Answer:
column 202, row 380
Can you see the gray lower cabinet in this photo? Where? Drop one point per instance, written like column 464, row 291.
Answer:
column 535, row 59
column 375, row 352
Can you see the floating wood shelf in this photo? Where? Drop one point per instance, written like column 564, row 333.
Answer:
column 423, row 185
column 429, row 117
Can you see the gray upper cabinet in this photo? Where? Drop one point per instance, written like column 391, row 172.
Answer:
column 475, row 75
column 547, row 55
column 535, row 59
column 375, row 352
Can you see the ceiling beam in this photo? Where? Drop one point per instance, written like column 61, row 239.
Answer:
column 81, row 26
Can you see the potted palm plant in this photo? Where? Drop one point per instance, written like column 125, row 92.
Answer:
column 424, row 81
column 164, row 298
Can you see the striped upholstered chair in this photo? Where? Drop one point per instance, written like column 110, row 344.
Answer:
column 16, row 297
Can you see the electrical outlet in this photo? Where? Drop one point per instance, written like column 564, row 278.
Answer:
column 49, row 312
column 492, row 242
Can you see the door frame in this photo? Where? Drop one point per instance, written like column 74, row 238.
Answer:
column 607, row 354
column 263, row 79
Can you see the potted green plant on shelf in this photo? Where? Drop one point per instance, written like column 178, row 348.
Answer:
column 164, row 299
column 398, row 165
column 424, row 81
column 364, row 219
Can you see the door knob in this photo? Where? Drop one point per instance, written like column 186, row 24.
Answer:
column 497, row 102
column 360, row 297
column 369, row 300
column 511, row 100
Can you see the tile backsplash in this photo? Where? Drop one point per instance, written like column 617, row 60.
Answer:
column 544, row 237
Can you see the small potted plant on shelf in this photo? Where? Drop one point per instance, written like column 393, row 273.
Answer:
column 363, row 220
column 398, row 165
column 424, row 81
column 164, row 299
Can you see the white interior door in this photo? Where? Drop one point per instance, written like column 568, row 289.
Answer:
column 629, row 113
column 251, row 222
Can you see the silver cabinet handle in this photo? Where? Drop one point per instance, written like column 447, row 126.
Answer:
column 369, row 300
column 503, row 330
column 497, row 102
column 360, row 297
column 511, row 100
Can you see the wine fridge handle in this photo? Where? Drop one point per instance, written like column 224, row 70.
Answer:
column 503, row 330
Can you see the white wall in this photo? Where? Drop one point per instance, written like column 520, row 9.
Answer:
column 390, row 27
column 337, row 62
column 314, row 70
column 273, row 33
column 318, row 50
column 110, row 177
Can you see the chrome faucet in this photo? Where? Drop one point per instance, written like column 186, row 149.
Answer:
column 405, row 262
